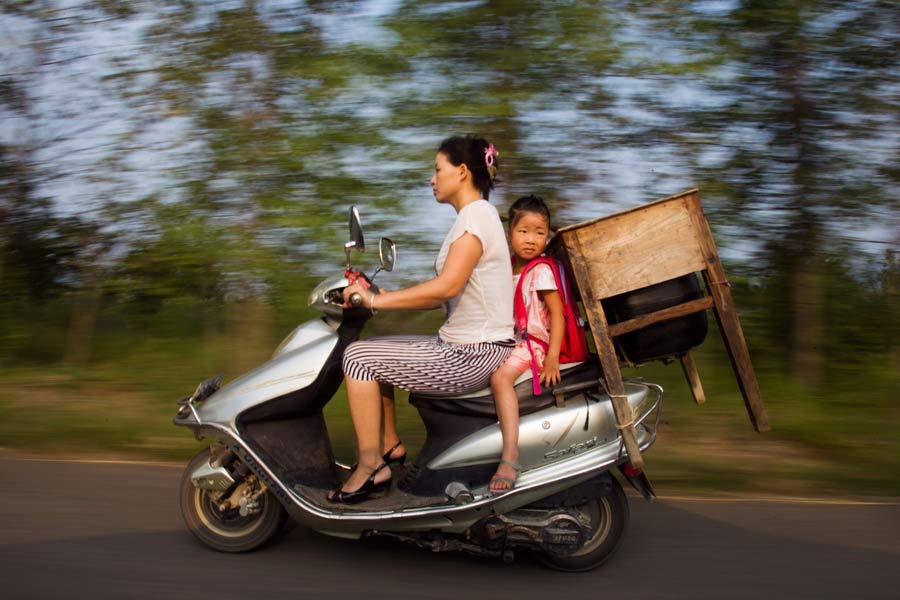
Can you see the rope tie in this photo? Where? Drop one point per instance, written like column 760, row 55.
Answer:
column 625, row 426
column 629, row 423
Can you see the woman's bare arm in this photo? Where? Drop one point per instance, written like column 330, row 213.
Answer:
column 464, row 254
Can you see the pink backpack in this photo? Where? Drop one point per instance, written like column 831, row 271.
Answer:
column 574, row 343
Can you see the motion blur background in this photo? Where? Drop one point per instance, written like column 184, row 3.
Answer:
column 175, row 176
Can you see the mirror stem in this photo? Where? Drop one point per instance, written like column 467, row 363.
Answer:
column 347, row 248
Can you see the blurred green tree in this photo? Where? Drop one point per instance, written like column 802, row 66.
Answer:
column 277, row 119
column 800, row 154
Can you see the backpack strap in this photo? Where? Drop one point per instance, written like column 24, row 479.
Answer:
column 520, row 312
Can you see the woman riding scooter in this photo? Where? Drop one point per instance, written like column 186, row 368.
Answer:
column 271, row 458
column 473, row 284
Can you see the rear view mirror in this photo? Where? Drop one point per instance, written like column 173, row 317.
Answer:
column 387, row 252
column 356, row 235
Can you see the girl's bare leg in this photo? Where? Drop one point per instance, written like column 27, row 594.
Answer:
column 508, row 414
column 365, row 402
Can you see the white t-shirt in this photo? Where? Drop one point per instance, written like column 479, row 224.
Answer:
column 542, row 281
column 538, row 279
column 483, row 311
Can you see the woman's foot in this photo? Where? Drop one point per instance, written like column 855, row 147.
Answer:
column 396, row 456
column 361, row 485
column 505, row 478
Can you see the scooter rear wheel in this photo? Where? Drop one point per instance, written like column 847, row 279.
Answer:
column 227, row 531
column 609, row 519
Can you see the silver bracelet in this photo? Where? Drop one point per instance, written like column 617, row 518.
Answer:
column 372, row 304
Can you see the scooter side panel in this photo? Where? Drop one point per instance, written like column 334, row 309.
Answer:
column 291, row 370
column 546, row 436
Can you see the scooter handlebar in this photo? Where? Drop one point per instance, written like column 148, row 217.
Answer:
column 356, row 299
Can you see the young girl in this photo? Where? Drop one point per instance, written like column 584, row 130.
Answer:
column 529, row 227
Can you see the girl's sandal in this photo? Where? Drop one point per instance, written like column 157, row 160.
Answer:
column 508, row 480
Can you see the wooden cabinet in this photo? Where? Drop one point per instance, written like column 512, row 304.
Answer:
column 642, row 247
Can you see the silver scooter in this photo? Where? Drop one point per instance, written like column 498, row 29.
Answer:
column 271, row 457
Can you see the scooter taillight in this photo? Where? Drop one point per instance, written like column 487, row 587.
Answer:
column 630, row 471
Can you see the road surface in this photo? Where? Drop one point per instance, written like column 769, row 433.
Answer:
column 73, row 529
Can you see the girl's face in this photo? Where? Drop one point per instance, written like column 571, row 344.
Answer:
column 447, row 179
column 528, row 237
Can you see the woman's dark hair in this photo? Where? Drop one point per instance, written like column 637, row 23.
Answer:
column 530, row 203
column 471, row 151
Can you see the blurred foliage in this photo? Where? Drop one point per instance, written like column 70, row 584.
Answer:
column 175, row 176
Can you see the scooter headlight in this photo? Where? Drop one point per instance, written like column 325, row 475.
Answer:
column 206, row 389
column 326, row 296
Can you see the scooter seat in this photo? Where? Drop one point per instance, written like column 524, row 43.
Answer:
column 481, row 403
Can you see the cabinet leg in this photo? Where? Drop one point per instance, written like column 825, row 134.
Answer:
column 693, row 377
column 733, row 336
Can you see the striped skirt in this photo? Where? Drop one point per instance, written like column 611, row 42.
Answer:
column 425, row 364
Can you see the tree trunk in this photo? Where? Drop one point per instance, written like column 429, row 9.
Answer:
column 82, row 325
column 807, row 334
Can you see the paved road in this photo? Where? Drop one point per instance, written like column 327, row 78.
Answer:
column 97, row 530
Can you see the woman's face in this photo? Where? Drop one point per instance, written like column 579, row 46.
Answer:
column 447, row 179
column 528, row 237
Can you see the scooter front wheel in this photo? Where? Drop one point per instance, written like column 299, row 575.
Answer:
column 609, row 519
column 227, row 530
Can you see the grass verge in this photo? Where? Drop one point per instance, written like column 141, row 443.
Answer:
column 842, row 442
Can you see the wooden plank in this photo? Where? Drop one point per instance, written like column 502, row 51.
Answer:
column 690, row 192
column 693, row 377
column 633, row 250
column 729, row 323
column 671, row 312
column 606, row 353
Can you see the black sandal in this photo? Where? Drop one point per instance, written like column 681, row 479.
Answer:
column 368, row 488
column 397, row 461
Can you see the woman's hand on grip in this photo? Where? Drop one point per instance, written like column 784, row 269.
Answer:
column 365, row 293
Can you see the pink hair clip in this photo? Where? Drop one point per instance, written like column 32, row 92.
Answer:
column 489, row 153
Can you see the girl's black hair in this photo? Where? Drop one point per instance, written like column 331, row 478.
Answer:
column 530, row 203
column 469, row 150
